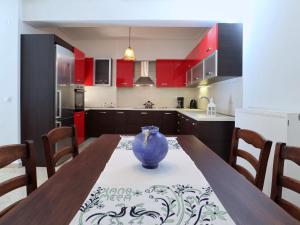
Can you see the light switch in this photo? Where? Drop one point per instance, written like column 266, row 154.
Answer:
column 7, row 99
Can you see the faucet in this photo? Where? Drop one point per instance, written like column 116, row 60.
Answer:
column 204, row 97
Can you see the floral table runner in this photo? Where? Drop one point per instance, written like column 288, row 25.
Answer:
column 174, row 193
column 126, row 143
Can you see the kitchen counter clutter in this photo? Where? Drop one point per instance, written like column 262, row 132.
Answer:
column 196, row 114
column 214, row 131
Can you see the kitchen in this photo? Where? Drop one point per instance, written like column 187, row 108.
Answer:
column 104, row 84
column 121, row 115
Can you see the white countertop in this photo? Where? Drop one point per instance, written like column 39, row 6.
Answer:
column 196, row 114
column 202, row 116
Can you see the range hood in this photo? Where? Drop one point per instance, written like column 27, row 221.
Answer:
column 144, row 79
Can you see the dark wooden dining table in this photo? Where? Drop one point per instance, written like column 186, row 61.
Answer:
column 57, row 200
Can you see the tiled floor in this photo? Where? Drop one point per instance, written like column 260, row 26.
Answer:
column 14, row 170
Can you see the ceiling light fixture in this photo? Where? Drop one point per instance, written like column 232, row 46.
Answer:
column 129, row 53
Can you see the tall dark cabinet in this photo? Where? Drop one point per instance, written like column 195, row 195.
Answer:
column 38, row 87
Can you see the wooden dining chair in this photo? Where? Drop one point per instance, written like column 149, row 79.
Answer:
column 52, row 139
column 260, row 164
column 26, row 153
column 279, row 180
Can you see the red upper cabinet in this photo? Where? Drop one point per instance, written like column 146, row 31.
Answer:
column 207, row 45
column 79, row 125
column 180, row 74
column 210, row 41
column 170, row 73
column 164, row 73
column 125, row 73
column 79, row 67
column 89, row 72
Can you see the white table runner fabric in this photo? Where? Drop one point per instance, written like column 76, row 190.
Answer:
column 174, row 193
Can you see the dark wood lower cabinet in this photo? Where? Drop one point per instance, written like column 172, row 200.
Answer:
column 169, row 122
column 215, row 134
column 138, row 119
column 120, row 122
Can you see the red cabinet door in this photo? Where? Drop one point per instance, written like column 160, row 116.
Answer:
column 164, row 73
column 89, row 72
column 125, row 73
column 210, row 41
column 179, row 76
column 170, row 73
column 79, row 125
column 79, row 67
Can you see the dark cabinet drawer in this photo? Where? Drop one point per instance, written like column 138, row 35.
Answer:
column 169, row 122
column 99, row 122
column 120, row 122
column 138, row 119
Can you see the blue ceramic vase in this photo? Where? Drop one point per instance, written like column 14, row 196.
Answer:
column 150, row 147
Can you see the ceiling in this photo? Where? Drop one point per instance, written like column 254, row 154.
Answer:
column 120, row 32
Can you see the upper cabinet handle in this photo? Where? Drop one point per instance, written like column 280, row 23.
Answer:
column 209, row 49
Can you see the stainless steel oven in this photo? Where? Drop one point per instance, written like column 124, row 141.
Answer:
column 79, row 98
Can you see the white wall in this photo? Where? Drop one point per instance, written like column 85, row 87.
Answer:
column 271, row 56
column 142, row 12
column 228, row 95
column 9, row 72
column 97, row 96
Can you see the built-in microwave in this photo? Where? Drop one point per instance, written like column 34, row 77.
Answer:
column 79, row 98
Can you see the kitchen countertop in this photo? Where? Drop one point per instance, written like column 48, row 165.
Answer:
column 196, row 114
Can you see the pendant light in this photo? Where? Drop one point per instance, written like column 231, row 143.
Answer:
column 129, row 53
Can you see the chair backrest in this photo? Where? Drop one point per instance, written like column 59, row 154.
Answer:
column 51, row 140
column 260, row 164
column 26, row 153
column 279, row 180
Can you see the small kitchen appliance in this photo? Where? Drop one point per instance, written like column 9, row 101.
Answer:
column 180, row 102
column 148, row 105
column 193, row 104
column 79, row 98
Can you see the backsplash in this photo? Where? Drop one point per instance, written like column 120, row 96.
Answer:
column 227, row 95
column 97, row 96
column 161, row 97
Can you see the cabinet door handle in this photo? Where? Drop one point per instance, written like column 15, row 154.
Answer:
column 186, row 119
column 124, row 83
column 178, row 122
column 167, row 113
column 164, row 84
column 120, row 112
column 144, row 113
column 102, row 112
column 209, row 49
column 193, row 124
